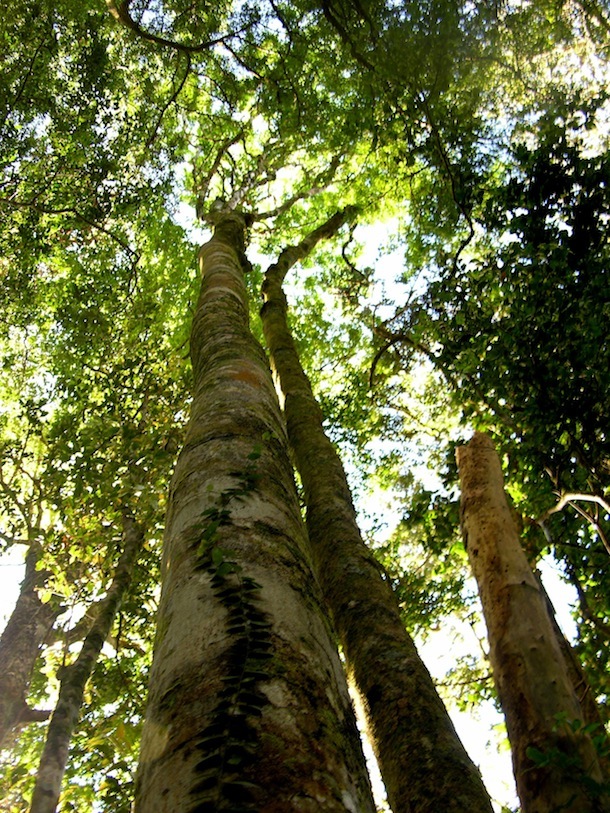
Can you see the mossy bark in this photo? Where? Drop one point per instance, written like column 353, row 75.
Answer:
column 555, row 763
column 22, row 639
column 423, row 764
column 74, row 677
column 248, row 705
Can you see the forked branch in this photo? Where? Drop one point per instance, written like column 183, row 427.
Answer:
column 572, row 499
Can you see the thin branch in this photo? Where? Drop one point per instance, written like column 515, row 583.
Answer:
column 13, row 540
column 19, row 506
column 571, row 498
column 171, row 100
column 377, row 358
column 446, row 162
column 253, row 178
column 475, row 681
column 72, row 211
column 201, row 187
column 25, row 79
column 399, row 338
column 241, row 61
column 354, row 269
column 593, row 10
column 593, row 523
column 320, row 184
column 120, row 11
column 345, row 36
column 292, row 35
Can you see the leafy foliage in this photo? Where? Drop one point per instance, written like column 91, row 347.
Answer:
column 519, row 330
column 116, row 127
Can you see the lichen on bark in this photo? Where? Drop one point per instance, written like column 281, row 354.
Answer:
column 239, row 601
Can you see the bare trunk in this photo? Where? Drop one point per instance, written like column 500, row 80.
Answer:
column 423, row 764
column 590, row 710
column 248, row 706
column 74, row 678
column 20, row 644
column 555, row 763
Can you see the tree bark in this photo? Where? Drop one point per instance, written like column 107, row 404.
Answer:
column 20, row 644
column 248, row 706
column 74, row 678
column 590, row 710
column 555, row 763
column 422, row 761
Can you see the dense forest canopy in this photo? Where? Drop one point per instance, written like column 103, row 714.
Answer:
column 465, row 143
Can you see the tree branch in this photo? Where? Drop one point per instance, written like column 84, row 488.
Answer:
column 75, row 676
column 345, row 36
column 120, row 11
column 201, row 187
column 571, row 499
column 276, row 273
column 171, row 100
column 320, row 184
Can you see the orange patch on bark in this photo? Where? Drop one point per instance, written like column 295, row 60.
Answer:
column 248, row 376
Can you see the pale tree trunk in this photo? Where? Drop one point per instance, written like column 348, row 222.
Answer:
column 24, row 635
column 248, row 705
column 556, row 766
column 423, row 764
column 75, row 676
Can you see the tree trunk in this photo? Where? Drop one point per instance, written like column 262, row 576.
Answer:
column 590, row 709
column 74, row 678
column 20, row 644
column 248, row 707
column 423, row 763
column 555, row 763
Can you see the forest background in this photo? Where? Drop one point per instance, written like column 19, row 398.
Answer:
column 471, row 140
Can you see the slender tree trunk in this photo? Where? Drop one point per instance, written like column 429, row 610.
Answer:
column 580, row 683
column 556, row 766
column 248, row 707
column 590, row 710
column 423, row 764
column 74, row 678
column 21, row 642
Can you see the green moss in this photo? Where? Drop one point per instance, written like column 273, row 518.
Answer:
column 163, row 623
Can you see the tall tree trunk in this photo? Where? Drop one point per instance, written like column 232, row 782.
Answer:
column 422, row 761
column 26, row 631
column 590, row 709
column 248, row 707
column 555, row 763
column 74, row 677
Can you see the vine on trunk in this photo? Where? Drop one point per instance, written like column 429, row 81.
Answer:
column 228, row 743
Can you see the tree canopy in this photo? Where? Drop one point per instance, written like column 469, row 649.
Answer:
column 473, row 135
